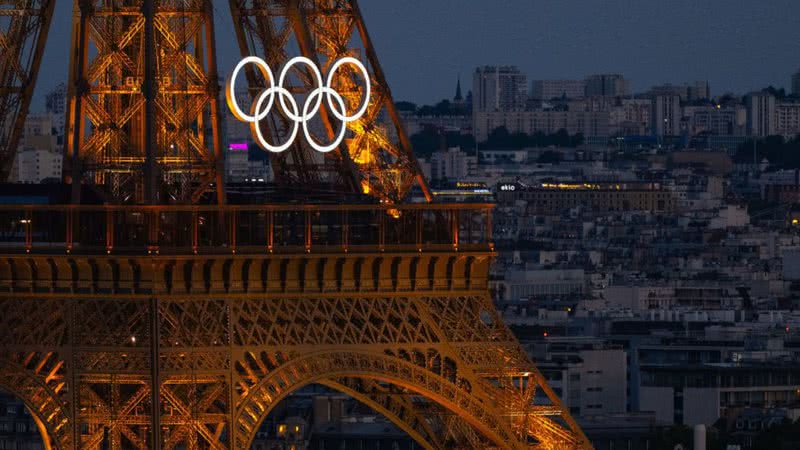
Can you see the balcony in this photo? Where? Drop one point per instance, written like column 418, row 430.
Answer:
column 251, row 229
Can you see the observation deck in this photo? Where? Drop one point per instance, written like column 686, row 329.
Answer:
column 244, row 229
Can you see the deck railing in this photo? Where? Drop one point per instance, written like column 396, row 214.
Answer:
column 214, row 230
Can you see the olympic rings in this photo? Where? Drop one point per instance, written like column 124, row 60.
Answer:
column 291, row 110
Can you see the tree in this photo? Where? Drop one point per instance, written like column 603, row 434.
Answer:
column 781, row 437
column 667, row 439
column 426, row 141
column 777, row 93
column 501, row 139
column 549, row 157
column 406, row 106
column 443, row 108
column 779, row 152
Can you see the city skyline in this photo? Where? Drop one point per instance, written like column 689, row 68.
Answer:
column 426, row 46
column 598, row 250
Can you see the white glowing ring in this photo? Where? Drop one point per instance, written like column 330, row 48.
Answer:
column 317, row 77
column 340, row 138
column 230, row 92
column 367, row 93
column 255, row 125
column 292, row 112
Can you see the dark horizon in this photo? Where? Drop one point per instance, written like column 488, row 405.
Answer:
column 737, row 45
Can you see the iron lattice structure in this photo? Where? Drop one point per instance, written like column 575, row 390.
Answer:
column 23, row 34
column 378, row 158
column 147, row 325
column 143, row 120
column 100, row 304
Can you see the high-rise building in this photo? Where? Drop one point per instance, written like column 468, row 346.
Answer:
column 18, row 429
column 38, row 157
column 499, row 88
column 241, row 166
column 697, row 90
column 452, row 165
column 787, row 119
column 35, row 166
column 796, row 84
column 760, row 114
column 631, row 117
column 716, row 120
column 548, row 89
column 56, row 106
column 607, row 85
column 666, row 115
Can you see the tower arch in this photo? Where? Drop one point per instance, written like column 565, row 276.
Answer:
column 255, row 404
column 40, row 396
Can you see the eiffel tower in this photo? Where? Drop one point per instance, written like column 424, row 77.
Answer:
column 155, row 310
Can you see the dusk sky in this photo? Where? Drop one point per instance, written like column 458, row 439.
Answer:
column 424, row 45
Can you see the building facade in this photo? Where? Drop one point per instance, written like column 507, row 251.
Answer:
column 606, row 197
column 697, row 90
column 631, row 117
column 760, row 114
column 519, row 284
column 39, row 156
column 607, row 85
column 241, row 167
column 549, row 89
column 18, row 430
column 666, row 115
column 796, row 84
column 586, row 377
column 695, row 394
column 716, row 120
column 56, row 106
column 787, row 119
column 587, row 123
column 499, row 88
column 452, row 165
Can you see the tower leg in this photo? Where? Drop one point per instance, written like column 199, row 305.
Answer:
column 23, row 35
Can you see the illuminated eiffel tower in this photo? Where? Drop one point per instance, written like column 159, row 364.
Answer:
column 168, row 315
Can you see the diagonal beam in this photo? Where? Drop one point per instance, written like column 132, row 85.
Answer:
column 27, row 29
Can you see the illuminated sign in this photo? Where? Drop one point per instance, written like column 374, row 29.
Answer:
column 464, row 188
column 468, row 185
column 238, row 147
column 291, row 110
column 508, row 187
column 579, row 186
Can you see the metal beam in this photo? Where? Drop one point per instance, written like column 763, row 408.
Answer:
column 21, row 50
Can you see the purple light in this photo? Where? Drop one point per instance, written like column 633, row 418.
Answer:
column 242, row 147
